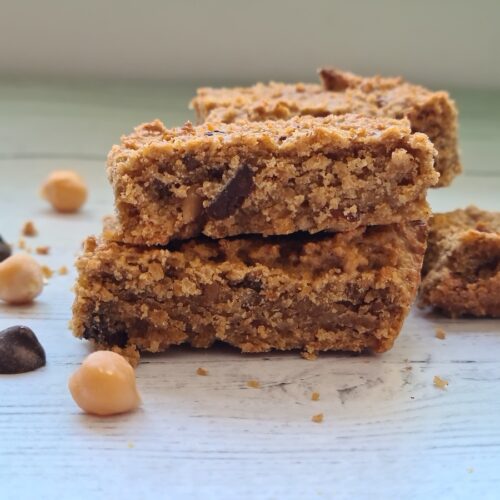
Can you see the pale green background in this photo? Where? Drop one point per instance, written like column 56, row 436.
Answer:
column 437, row 42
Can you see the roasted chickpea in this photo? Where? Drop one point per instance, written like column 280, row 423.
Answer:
column 65, row 190
column 105, row 384
column 21, row 279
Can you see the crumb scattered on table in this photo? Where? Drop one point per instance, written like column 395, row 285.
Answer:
column 130, row 445
column 318, row 419
column 29, row 229
column 63, row 270
column 47, row 272
column 22, row 244
column 440, row 383
column 470, row 470
column 310, row 356
column 201, row 371
column 254, row 384
column 43, row 250
column 315, row 396
column 440, row 334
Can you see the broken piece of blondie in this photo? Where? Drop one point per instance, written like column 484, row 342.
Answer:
column 433, row 113
column 461, row 274
column 345, row 291
column 269, row 178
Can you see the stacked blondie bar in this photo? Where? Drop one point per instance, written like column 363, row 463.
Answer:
column 292, row 217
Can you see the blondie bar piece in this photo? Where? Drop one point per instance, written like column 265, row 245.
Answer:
column 461, row 274
column 269, row 178
column 432, row 113
column 345, row 291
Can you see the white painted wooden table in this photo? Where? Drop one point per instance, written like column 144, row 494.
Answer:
column 388, row 432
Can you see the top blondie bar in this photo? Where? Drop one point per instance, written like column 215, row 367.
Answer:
column 432, row 113
column 270, row 178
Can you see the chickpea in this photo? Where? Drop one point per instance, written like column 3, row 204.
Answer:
column 105, row 384
column 65, row 190
column 21, row 279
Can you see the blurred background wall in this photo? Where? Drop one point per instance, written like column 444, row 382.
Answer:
column 439, row 43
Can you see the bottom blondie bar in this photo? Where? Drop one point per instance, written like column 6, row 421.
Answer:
column 462, row 264
column 346, row 291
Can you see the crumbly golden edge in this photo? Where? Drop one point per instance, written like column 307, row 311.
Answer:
column 402, row 248
column 433, row 113
column 273, row 133
column 462, row 275
column 160, row 196
column 437, row 117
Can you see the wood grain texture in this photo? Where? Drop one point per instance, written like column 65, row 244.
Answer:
column 387, row 432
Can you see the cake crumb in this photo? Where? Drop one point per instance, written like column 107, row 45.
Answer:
column 309, row 355
column 470, row 470
column 47, row 272
column 440, row 383
column 315, row 396
column 130, row 445
column 22, row 244
column 318, row 419
column 440, row 334
column 254, row 384
column 43, row 250
column 202, row 372
column 63, row 270
column 29, row 229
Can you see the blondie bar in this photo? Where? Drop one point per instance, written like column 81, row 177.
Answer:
column 270, row 178
column 461, row 274
column 432, row 113
column 345, row 291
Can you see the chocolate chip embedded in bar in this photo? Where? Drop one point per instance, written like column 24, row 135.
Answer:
column 269, row 178
column 233, row 194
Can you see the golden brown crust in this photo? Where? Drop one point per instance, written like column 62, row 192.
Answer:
column 432, row 113
column 276, row 177
column 347, row 291
column 462, row 265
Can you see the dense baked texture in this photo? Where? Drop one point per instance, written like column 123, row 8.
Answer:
column 270, row 178
column 461, row 274
column 432, row 113
column 346, row 291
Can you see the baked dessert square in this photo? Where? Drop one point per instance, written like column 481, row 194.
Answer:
column 269, row 178
column 345, row 291
column 461, row 274
column 429, row 112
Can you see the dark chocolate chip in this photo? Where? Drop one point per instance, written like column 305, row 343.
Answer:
column 333, row 80
column 104, row 335
column 232, row 195
column 209, row 134
column 20, row 350
column 5, row 250
column 161, row 190
column 254, row 284
column 191, row 162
